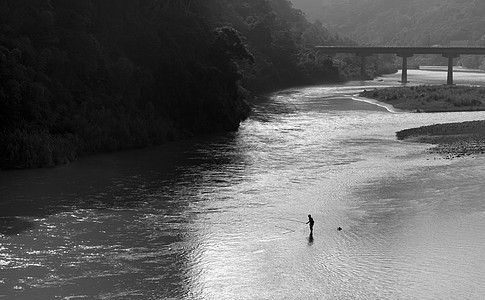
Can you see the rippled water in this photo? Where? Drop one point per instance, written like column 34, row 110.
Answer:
column 223, row 217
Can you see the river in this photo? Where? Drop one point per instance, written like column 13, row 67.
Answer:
column 223, row 216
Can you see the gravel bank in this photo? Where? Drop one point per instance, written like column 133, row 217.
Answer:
column 451, row 139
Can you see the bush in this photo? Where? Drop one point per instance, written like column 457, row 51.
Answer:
column 24, row 149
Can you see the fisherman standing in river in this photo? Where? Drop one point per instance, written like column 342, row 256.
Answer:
column 311, row 222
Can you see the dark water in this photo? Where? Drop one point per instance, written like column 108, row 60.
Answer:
column 222, row 217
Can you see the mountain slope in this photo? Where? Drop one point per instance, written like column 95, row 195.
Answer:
column 411, row 22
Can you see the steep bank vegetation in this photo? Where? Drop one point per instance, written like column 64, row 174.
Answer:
column 282, row 41
column 80, row 77
column 85, row 76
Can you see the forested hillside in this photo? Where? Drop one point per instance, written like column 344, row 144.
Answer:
column 412, row 22
column 85, row 76
column 282, row 42
column 309, row 7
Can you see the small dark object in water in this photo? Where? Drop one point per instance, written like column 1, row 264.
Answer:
column 339, row 228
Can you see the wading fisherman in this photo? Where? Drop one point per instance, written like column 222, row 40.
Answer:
column 311, row 222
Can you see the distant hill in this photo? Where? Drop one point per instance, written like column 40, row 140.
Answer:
column 308, row 6
column 411, row 22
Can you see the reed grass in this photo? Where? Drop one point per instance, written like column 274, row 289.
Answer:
column 431, row 98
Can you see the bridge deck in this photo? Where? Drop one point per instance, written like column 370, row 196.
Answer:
column 402, row 50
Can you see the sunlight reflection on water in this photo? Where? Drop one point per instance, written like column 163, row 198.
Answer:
column 223, row 217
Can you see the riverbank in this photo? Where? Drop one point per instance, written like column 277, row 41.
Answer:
column 451, row 139
column 431, row 98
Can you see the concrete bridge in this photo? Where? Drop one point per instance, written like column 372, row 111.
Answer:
column 405, row 52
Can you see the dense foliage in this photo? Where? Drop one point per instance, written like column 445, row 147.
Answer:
column 88, row 76
column 282, row 42
column 85, row 76
column 413, row 23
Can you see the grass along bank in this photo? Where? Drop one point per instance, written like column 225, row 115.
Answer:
column 451, row 139
column 431, row 98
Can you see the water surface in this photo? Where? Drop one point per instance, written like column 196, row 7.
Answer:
column 223, row 216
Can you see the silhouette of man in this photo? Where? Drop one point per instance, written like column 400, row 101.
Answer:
column 311, row 222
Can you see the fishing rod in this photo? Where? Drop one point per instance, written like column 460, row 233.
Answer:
column 290, row 230
column 290, row 220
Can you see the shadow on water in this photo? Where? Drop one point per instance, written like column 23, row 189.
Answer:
column 310, row 239
column 14, row 225
column 130, row 204
column 162, row 177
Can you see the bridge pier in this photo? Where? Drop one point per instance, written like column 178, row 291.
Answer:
column 450, row 57
column 363, row 75
column 404, row 69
